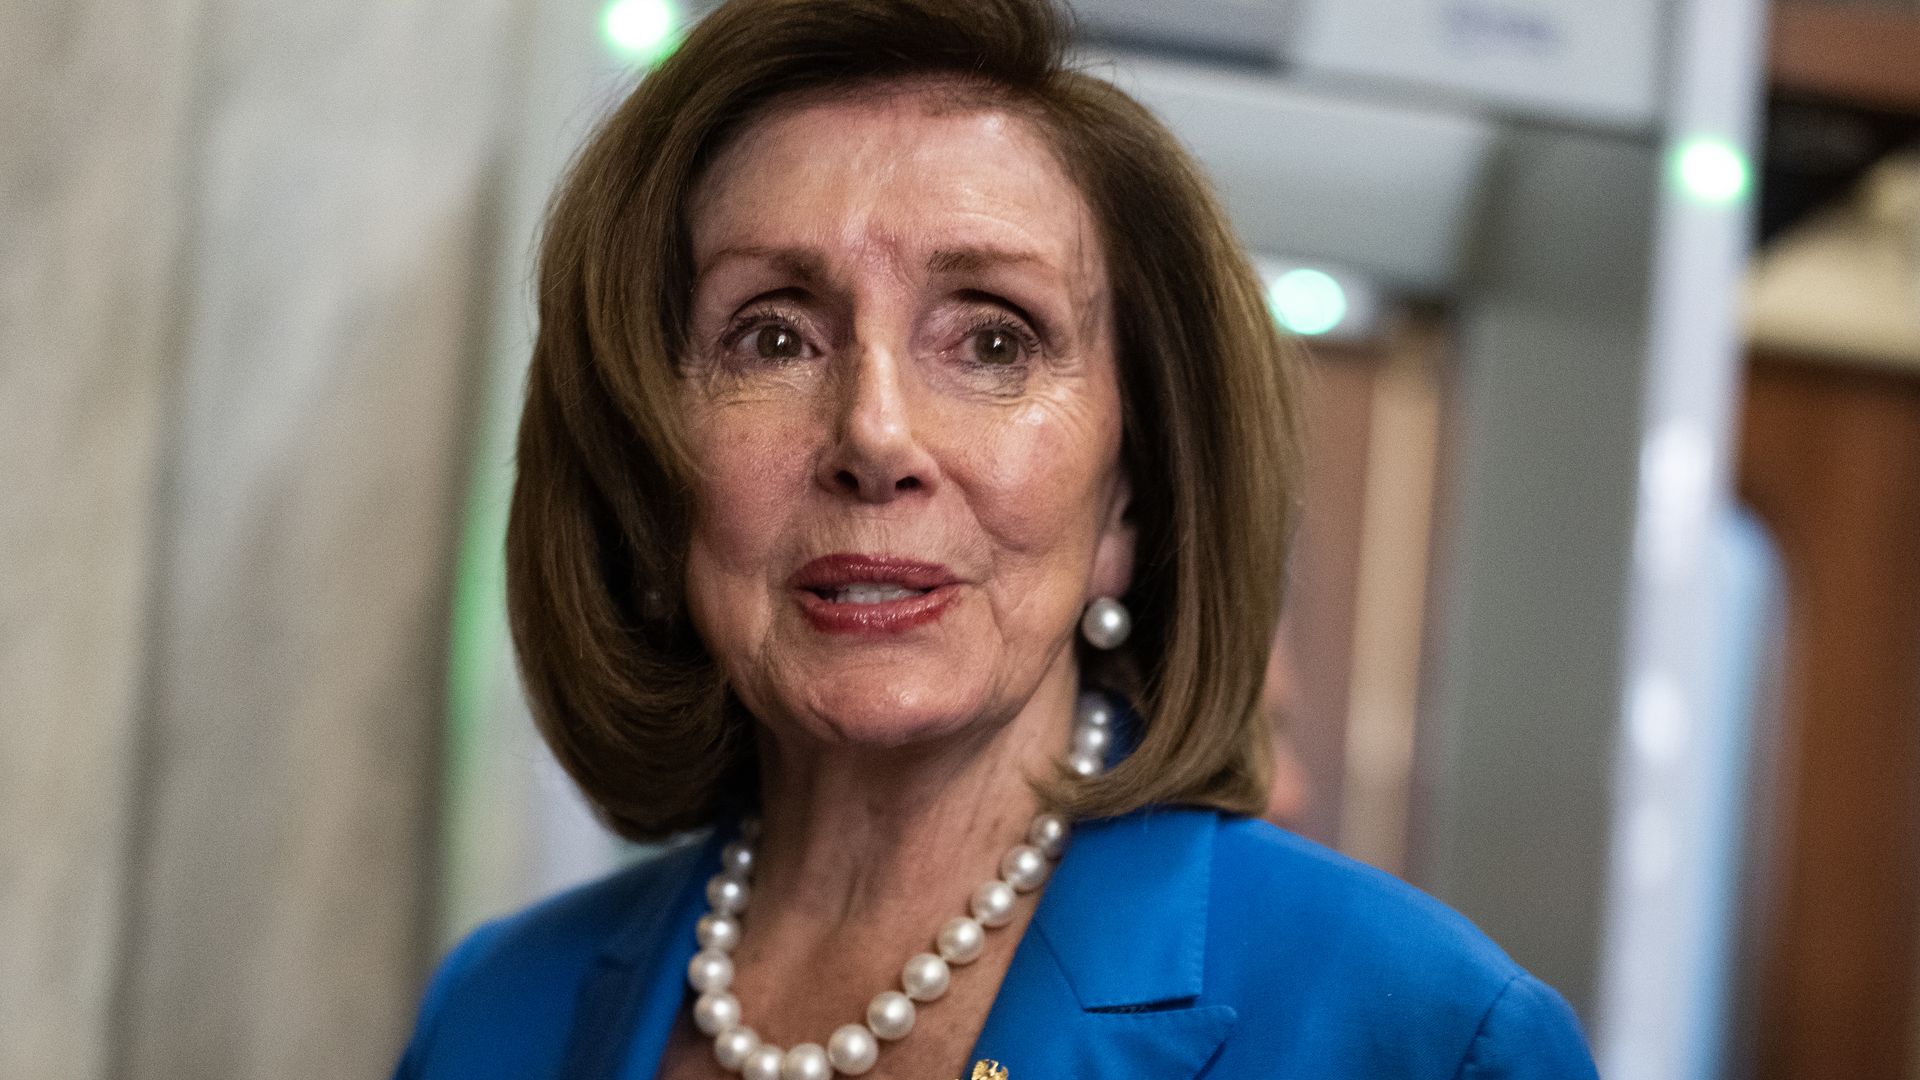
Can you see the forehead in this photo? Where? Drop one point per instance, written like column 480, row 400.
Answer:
column 891, row 175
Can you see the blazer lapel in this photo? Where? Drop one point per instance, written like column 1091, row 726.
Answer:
column 1108, row 980
column 1106, row 984
column 631, row 996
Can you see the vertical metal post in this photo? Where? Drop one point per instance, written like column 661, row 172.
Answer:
column 1669, row 908
column 1524, row 700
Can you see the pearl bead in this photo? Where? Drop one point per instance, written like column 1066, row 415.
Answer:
column 1106, row 623
column 808, row 1061
column 1023, row 867
column 853, row 1049
column 737, row 859
column 710, row 971
column 726, row 895
column 715, row 1013
column 1092, row 741
column 763, row 1063
column 731, row 1047
column 1094, row 710
column 720, row 932
column 750, row 829
column 992, row 903
column 924, row 977
column 961, row 940
column 1083, row 765
column 1049, row 834
column 890, row 1014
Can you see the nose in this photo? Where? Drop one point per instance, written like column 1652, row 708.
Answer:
column 876, row 455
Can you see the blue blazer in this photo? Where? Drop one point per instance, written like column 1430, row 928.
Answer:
column 1170, row 944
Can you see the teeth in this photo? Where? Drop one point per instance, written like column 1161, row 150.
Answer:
column 871, row 594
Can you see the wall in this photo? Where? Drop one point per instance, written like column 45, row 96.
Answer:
column 243, row 252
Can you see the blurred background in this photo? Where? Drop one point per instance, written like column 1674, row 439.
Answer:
column 1604, row 619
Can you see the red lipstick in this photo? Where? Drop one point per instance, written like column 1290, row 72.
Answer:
column 862, row 594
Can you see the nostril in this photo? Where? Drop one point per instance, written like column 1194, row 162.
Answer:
column 875, row 485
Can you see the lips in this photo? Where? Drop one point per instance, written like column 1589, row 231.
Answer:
column 869, row 594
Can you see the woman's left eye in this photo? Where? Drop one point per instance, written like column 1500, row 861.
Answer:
column 995, row 347
column 1000, row 345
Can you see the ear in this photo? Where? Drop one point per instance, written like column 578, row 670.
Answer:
column 1113, row 553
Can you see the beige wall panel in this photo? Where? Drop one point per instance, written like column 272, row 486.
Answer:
column 285, row 852
column 93, row 106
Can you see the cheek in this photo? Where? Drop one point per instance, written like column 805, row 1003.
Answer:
column 1041, row 476
column 753, row 471
column 745, row 504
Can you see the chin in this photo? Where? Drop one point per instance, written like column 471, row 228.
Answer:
column 880, row 706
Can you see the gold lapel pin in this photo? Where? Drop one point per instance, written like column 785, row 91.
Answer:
column 988, row 1070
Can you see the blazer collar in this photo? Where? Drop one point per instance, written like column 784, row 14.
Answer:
column 1126, row 914
column 1110, row 978
column 1108, row 981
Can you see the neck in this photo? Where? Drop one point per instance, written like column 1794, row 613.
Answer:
column 862, row 836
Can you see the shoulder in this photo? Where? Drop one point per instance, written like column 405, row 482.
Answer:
column 1323, row 957
column 1274, row 889
column 508, row 989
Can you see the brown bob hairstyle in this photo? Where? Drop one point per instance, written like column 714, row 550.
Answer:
column 621, row 686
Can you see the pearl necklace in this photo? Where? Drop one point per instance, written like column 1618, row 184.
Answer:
column 854, row 1048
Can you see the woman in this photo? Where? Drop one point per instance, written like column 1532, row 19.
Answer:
column 904, row 485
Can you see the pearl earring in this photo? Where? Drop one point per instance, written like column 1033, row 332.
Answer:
column 1106, row 623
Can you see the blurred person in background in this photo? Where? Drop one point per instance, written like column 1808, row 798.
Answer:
column 904, row 493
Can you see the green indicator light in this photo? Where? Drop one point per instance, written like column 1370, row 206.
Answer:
column 640, row 30
column 1307, row 301
column 1713, row 171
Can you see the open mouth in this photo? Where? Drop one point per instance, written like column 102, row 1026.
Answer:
column 877, row 593
column 873, row 594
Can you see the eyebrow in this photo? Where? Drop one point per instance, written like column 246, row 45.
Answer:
column 968, row 260
column 809, row 268
column 803, row 265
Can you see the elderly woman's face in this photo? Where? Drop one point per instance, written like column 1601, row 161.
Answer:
column 901, row 383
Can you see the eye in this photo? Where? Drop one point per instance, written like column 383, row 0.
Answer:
column 776, row 341
column 766, row 335
column 996, row 345
column 997, row 340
